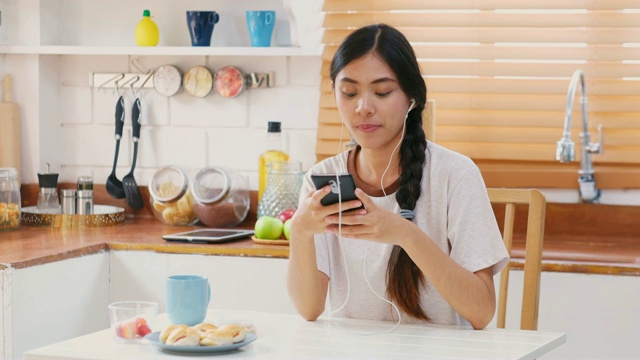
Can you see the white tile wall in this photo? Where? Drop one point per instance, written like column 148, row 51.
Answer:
column 180, row 130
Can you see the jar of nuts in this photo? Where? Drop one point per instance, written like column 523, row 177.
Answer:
column 221, row 197
column 9, row 199
column 170, row 197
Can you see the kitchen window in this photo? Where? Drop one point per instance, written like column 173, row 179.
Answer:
column 499, row 71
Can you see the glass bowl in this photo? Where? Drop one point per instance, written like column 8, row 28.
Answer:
column 130, row 321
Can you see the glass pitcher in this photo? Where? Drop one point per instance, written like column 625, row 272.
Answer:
column 284, row 182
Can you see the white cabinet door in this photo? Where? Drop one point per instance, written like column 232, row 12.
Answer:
column 238, row 283
column 56, row 301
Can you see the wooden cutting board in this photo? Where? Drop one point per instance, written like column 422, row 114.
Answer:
column 9, row 129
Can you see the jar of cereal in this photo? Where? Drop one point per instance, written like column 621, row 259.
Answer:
column 221, row 197
column 170, row 196
column 9, row 199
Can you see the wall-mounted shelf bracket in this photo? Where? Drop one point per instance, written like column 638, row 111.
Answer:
column 111, row 80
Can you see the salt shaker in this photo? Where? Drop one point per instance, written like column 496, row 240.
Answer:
column 85, row 202
column 68, row 201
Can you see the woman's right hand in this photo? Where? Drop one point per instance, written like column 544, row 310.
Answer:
column 309, row 218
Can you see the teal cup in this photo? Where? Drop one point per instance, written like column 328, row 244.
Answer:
column 187, row 298
column 260, row 25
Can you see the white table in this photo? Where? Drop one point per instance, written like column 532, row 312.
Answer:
column 286, row 336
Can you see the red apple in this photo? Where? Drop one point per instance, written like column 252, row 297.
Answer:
column 286, row 214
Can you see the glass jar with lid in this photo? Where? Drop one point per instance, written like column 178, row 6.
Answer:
column 171, row 200
column 221, row 197
column 9, row 199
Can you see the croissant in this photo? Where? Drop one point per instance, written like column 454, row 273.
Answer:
column 165, row 333
column 237, row 332
column 204, row 327
column 215, row 338
column 183, row 336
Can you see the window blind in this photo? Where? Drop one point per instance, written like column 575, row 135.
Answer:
column 499, row 71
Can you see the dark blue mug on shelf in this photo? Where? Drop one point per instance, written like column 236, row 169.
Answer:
column 201, row 24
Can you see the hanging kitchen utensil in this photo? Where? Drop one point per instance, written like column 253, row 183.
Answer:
column 131, row 191
column 167, row 80
column 114, row 185
column 198, row 81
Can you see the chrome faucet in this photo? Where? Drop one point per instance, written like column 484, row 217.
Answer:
column 565, row 150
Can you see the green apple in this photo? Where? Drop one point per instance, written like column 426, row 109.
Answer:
column 268, row 228
column 286, row 229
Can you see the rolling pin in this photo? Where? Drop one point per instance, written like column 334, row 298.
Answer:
column 9, row 129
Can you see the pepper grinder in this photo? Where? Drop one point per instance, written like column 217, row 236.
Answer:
column 48, row 201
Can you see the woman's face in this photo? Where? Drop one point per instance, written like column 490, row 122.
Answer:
column 371, row 102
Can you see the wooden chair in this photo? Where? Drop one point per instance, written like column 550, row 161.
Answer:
column 535, row 235
column 429, row 120
column 533, row 253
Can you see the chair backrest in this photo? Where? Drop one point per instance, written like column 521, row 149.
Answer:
column 533, row 251
column 429, row 120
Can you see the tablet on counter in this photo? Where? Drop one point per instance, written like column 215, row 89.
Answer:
column 210, row 235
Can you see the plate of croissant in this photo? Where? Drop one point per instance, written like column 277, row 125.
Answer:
column 202, row 338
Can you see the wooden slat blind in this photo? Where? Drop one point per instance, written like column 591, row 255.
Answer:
column 499, row 71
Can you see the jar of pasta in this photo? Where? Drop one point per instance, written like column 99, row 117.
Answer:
column 9, row 199
column 170, row 197
column 221, row 197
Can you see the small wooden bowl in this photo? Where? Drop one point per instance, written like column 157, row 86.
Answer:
column 270, row 242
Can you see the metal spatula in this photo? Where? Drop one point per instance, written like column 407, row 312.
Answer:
column 131, row 191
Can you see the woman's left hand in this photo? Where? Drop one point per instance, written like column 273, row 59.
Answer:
column 374, row 223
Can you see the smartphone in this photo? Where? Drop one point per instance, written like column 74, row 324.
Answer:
column 209, row 235
column 347, row 188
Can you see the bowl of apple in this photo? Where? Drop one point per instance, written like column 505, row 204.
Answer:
column 132, row 320
column 271, row 230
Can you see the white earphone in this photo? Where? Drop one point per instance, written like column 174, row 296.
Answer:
column 413, row 104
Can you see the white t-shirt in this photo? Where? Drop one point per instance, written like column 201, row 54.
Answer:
column 453, row 210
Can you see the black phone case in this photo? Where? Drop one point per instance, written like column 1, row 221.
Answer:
column 347, row 187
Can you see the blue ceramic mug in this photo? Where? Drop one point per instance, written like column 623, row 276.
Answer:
column 187, row 298
column 260, row 24
column 201, row 24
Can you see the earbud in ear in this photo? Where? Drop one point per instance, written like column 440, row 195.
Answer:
column 413, row 103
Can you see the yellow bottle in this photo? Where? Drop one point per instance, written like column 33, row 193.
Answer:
column 273, row 154
column 147, row 33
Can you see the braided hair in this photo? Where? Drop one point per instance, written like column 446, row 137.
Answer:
column 404, row 278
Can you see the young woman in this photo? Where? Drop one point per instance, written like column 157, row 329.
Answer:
column 436, row 267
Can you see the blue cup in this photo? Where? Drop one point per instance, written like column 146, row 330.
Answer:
column 201, row 24
column 260, row 24
column 187, row 298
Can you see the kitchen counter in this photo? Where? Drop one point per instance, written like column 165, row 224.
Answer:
column 579, row 238
column 31, row 246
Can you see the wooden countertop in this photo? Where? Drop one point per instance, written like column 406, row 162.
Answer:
column 579, row 238
column 31, row 246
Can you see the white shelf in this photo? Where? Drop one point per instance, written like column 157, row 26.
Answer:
column 160, row 50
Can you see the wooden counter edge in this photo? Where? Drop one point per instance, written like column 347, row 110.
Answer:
column 271, row 251
column 282, row 252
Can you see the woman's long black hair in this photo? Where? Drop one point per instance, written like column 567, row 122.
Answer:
column 404, row 278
